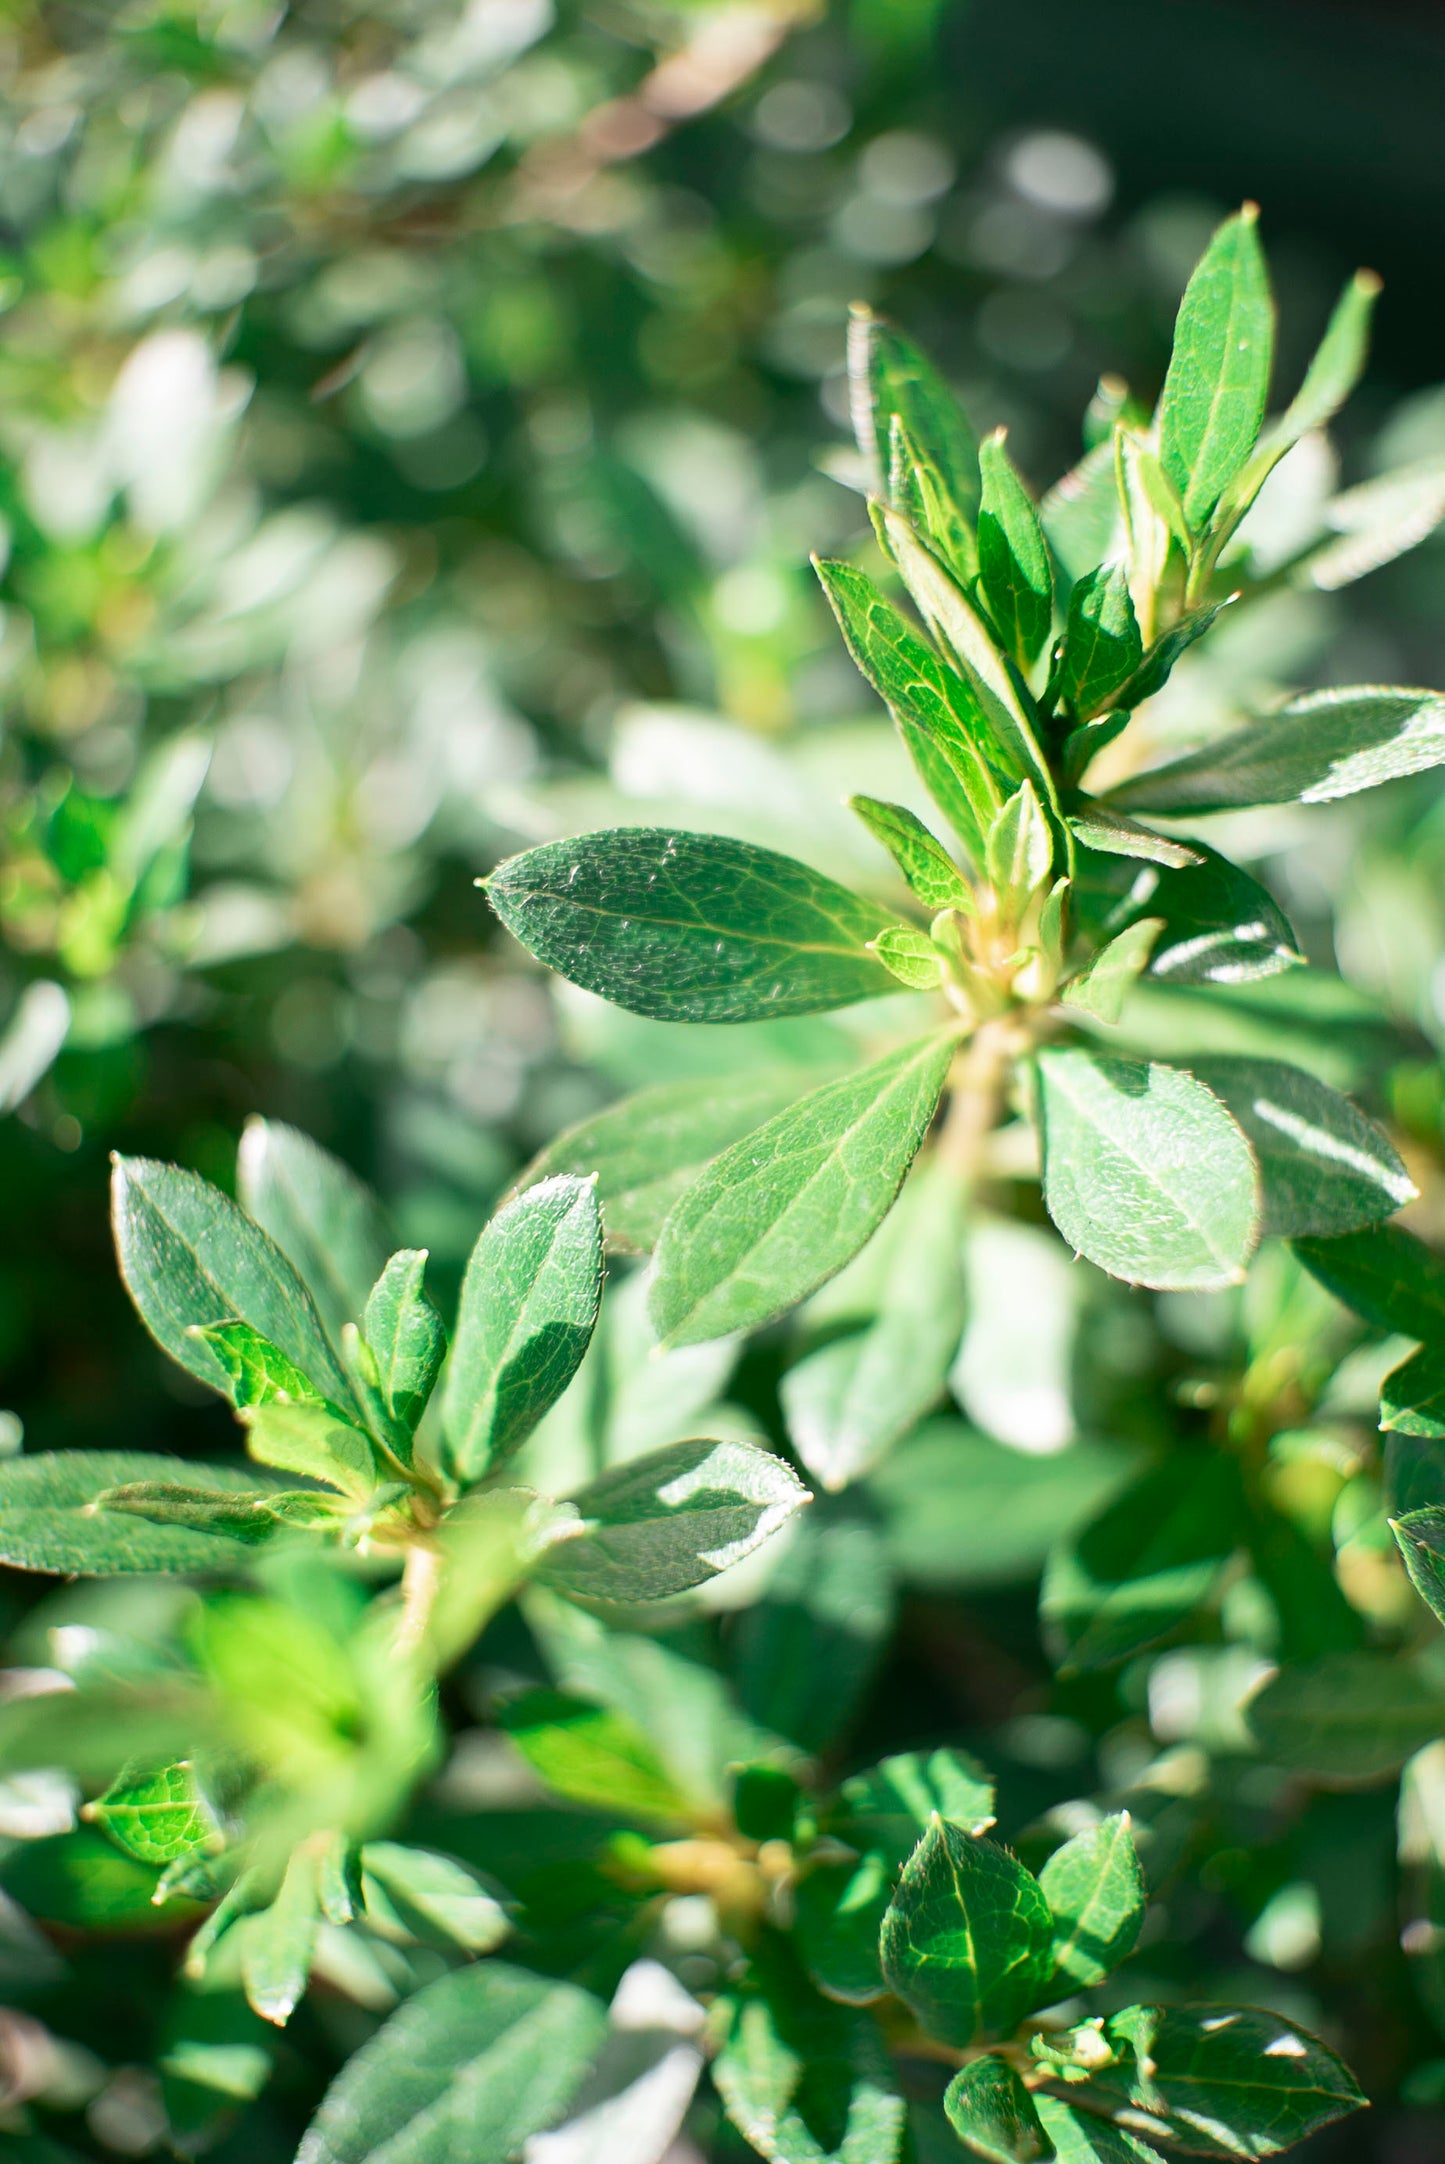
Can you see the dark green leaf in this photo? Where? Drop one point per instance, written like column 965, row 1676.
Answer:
column 49, row 1520
column 804, row 1654
column 966, row 1939
column 993, row 2114
column 1157, row 667
column 1013, row 557
column 892, row 1806
column 1394, row 1280
column 1412, row 1397
column 658, row 1525
column 1079, row 2138
column 806, row 2082
column 317, row 1211
column 1324, row 745
column 1326, row 1168
column 1420, row 1535
column 692, row 927
column 279, row 1942
column 888, row 376
column 781, row 1211
column 528, row 1309
column 1220, row 925
column 840, row 1909
column 432, row 1897
column 1096, row 1895
column 255, row 1515
column 1214, row 393
column 157, row 1816
column 466, row 2071
column 1102, row 643
column 406, row 1335
column 1146, row 1173
column 1346, row 1718
column 923, row 860
column 1234, row 2081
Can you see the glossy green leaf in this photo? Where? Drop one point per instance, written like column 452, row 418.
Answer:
column 318, row 1212
column 1412, row 1397
column 1113, row 835
column 661, row 1524
column 1234, row 2081
column 157, row 1816
column 1346, row 1718
column 433, row 1897
column 1146, row 1563
column 993, row 2114
column 406, row 1335
column 593, row 1755
column 528, row 1309
column 850, row 1400
column 1103, row 988
column 890, row 378
column 1325, row 745
column 691, row 927
column 1220, row 925
column 278, row 1943
column 189, row 1257
column 1080, row 2138
column 1103, row 646
column 806, row 2082
column 466, row 2070
column 781, row 1211
column 966, row 1940
column 1146, row 1173
column 49, row 1520
column 646, row 1150
column 1385, row 1274
column 923, row 861
column 1420, row 1537
column 1326, row 1169
column 1096, row 1894
column 1013, row 557
column 1214, row 393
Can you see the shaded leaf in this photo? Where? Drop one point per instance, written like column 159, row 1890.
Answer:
column 1080, row 2138
column 406, row 1335
column 1325, row 745
column 432, row 1896
column 806, row 2082
column 1394, row 1280
column 1103, row 988
column 804, row 1655
column 1220, row 925
column 1096, row 1894
column 1326, row 1169
column 993, row 2114
column 1232, row 2081
column 892, row 1806
column 279, row 1942
column 1346, row 1718
column 890, row 378
column 1103, row 646
column 1420, row 1536
column 321, row 1216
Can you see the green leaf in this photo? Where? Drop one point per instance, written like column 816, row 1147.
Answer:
column 1096, row 1895
column 1079, row 2138
column 1346, row 1718
column 433, row 1897
column 1376, row 522
column 255, row 1515
column 49, row 1520
column 1080, row 513
column 278, row 1943
column 189, row 1257
column 1220, row 925
column 528, row 1309
column 1103, row 988
column 1325, row 745
column 1337, row 366
column 1147, row 1562
column 966, row 1939
column 923, row 861
column 406, row 1335
column 781, row 1211
column 1233, row 2081
column 1019, row 851
column 848, row 1402
column 157, row 1816
column 1155, row 670
column 466, row 2070
column 1412, row 1397
column 1113, row 835
column 1326, row 1168
column 1013, row 557
column 806, row 2082
column 1420, row 1537
column 993, row 2114
column 318, row 1212
column 839, row 1913
column 661, row 1524
column 257, row 1371
column 939, row 716
column 1394, row 1280
column 805, row 1654
column 918, row 490
column 910, row 955
column 645, row 1151
column 1146, row 1173
column 593, row 1755
column 338, row 1879
column 1103, row 646
column 314, row 1441
column 890, row 378
column 893, row 1805
column 691, row 927
column 1214, row 393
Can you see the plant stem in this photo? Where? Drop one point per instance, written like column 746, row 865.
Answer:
column 979, row 1077
column 421, row 1579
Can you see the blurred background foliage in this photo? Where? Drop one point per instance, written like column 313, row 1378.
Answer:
column 416, row 418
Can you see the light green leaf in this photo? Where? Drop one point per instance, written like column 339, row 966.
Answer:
column 966, row 1939
column 892, row 1806
column 1080, row 513
column 465, row 2071
column 777, row 1214
column 1234, row 2081
column 321, row 1216
column 1013, row 557
column 157, row 1816
column 1326, row 1168
column 646, row 1150
column 923, row 861
column 1337, row 366
column 1346, row 1718
column 1096, row 1895
column 691, row 927
column 1079, row 2138
column 278, row 1943
column 806, row 2082
column 593, row 1755
column 1113, row 835
column 993, row 2114
column 256, row 1515
column 1214, row 393
column 849, row 1401
column 661, row 1524
column 1385, row 1274
column 1420, row 1537
column 406, row 1335
column 49, row 1519
column 1103, row 988
column 1019, row 851
column 1325, row 745
column 338, row 1879
column 528, row 1308
column 1146, row 1173
column 314, row 1441
column 890, row 378
column 258, row 1372
column 910, row 955
column 432, row 1897
column 189, row 1257
column 1103, row 646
